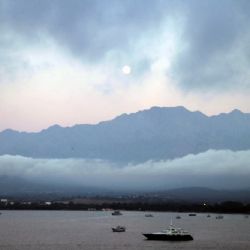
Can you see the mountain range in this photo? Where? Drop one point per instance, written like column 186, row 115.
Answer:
column 153, row 134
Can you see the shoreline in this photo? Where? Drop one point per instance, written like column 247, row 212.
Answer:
column 229, row 207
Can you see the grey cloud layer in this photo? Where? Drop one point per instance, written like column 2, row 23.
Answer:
column 89, row 28
column 217, row 45
column 216, row 36
column 214, row 169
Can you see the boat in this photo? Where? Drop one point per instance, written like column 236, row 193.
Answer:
column 219, row 217
column 208, row 216
column 192, row 214
column 149, row 215
column 116, row 212
column 170, row 234
column 178, row 217
column 119, row 229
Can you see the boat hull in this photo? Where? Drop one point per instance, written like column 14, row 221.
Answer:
column 168, row 237
column 118, row 230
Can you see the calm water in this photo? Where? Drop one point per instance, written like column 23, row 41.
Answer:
column 32, row 230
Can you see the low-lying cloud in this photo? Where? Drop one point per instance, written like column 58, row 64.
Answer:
column 214, row 169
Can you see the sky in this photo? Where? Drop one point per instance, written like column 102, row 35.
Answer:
column 84, row 61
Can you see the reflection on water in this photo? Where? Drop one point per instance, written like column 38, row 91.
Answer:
column 33, row 230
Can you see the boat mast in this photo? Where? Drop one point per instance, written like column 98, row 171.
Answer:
column 171, row 222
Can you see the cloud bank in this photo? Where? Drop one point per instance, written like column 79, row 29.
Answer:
column 214, row 169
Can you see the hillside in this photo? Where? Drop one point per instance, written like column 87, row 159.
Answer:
column 157, row 133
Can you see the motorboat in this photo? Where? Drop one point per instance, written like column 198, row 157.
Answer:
column 149, row 215
column 192, row 214
column 117, row 212
column 178, row 217
column 119, row 229
column 219, row 217
column 170, row 234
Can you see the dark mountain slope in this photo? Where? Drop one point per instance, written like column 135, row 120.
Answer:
column 157, row 133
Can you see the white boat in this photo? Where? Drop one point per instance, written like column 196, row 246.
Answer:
column 170, row 234
column 119, row 229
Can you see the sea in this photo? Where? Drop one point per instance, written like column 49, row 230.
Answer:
column 91, row 230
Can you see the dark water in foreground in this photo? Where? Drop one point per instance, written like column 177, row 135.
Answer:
column 33, row 230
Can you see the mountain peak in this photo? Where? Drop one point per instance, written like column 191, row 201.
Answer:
column 236, row 111
column 151, row 134
column 9, row 131
column 55, row 126
column 177, row 108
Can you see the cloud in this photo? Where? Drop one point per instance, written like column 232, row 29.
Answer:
column 213, row 46
column 88, row 29
column 216, row 50
column 214, row 169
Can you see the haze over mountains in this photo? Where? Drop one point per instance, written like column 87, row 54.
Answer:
column 154, row 134
column 153, row 150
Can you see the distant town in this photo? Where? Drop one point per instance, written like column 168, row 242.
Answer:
column 130, row 203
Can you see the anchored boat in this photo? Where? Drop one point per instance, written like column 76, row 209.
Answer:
column 149, row 215
column 219, row 217
column 116, row 212
column 119, row 229
column 170, row 234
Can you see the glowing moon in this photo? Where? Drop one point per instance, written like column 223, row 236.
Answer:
column 126, row 70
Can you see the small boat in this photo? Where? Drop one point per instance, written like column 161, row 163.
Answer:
column 208, row 216
column 149, row 215
column 219, row 217
column 246, row 216
column 178, row 217
column 192, row 214
column 170, row 234
column 116, row 212
column 119, row 229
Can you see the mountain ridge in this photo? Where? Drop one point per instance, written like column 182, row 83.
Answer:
column 156, row 133
column 234, row 111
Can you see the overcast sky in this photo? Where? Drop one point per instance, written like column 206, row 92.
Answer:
column 83, row 61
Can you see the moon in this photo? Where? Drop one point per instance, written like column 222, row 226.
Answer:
column 126, row 69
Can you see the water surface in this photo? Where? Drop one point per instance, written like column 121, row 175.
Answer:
column 89, row 230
